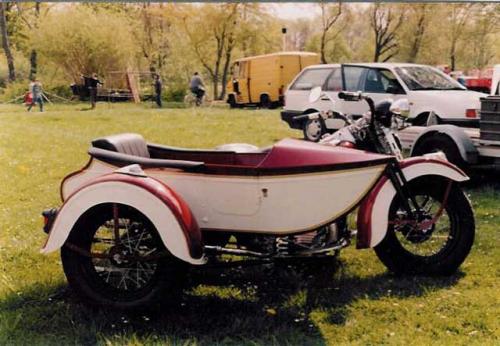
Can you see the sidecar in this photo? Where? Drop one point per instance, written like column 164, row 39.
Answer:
column 138, row 207
column 281, row 190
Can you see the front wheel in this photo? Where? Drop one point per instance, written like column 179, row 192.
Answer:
column 313, row 130
column 438, row 240
column 114, row 257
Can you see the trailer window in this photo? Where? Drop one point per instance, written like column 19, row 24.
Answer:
column 311, row 78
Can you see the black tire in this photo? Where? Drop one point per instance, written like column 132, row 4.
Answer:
column 420, row 120
column 231, row 99
column 313, row 130
column 439, row 142
column 400, row 256
column 265, row 102
column 164, row 283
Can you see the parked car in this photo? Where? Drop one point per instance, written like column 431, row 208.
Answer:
column 426, row 88
column 261, row 80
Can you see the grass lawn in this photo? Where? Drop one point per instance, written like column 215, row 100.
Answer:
column 354, row 301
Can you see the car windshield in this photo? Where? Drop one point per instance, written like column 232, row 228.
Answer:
column 426, row 78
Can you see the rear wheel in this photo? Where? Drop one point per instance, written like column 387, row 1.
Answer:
column 423, row 246
column 115, row 257
column 265, row 102
column 231, row 100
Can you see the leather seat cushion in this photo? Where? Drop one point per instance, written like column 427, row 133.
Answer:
column 125, row 143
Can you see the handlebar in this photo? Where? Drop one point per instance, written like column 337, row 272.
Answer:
column 358, row 96
column 350, row 95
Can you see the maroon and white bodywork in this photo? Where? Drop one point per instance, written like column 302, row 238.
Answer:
column 293, row 187
column 138, row 213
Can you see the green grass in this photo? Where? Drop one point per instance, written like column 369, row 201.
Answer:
column 353, row 301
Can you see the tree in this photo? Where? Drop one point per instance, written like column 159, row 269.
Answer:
column 419, row 12
column 30, row 16
column 457, row 19
column 385, row 22
column 5, row 42
column 212, row 37
column 82, row 41
column 482, row 36
column 330, row 14
column 153, row 35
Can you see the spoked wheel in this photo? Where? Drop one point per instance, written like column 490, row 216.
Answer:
column 435, row 241
column 115, row 257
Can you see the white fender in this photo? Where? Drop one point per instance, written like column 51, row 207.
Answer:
column 116, row 189
column 374, row 211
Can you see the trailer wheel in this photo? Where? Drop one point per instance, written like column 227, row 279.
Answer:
column 438, row 142
column 115, row 258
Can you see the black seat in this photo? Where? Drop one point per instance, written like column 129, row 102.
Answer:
column 125, row 143
column 130, row 148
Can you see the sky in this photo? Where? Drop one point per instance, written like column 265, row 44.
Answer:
column 293, row 10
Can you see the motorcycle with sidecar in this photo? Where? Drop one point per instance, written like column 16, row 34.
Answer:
column 138, row 213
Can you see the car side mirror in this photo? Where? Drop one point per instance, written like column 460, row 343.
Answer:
column 400, row 107
column 315, row 94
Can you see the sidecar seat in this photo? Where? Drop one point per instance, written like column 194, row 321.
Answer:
column 125, row 143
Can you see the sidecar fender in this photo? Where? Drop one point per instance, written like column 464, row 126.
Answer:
column 373, row 213
column 167, row 211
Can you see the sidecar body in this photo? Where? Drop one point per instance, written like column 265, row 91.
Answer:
column 291, row 187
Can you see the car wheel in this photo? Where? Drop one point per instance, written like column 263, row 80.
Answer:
column 313, row 130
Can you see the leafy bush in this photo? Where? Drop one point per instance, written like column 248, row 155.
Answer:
column 174, row 94
column 13, row 91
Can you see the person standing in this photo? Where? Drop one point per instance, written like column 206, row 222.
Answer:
column 93, row 83
column 36, row 94
column 158, row 87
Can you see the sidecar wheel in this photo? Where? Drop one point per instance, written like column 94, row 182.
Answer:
column 134, row 272
column 442, row 248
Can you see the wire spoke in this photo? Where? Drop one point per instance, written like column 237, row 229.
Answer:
column 124, row 242
column 429, row 240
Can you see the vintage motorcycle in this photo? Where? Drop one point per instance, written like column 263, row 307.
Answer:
column 138, row 213
column 371, row 133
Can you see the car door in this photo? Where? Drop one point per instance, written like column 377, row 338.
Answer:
column 297, row 95
column 378, row 83
column 382, row 84
column 332, row 87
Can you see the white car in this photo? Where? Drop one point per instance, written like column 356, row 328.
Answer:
column 426, row 88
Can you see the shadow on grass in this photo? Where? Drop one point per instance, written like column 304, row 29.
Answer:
column 260, row 304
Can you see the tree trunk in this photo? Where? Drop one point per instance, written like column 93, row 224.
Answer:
column 33, row 64
column 5, row 43
column 229, row 50
column 419, row 35
column 33, row 55
column 224, row 76
column 216, row 87
column 322, row 47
